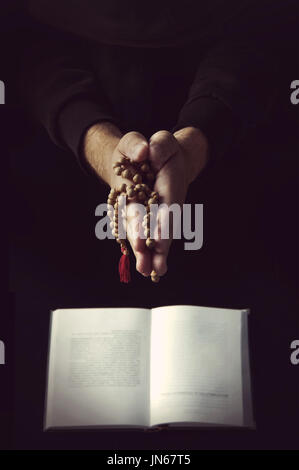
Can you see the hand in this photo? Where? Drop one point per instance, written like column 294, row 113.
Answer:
column 177, row 160
column 103, row 145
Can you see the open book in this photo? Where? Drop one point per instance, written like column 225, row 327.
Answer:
column 178, row 365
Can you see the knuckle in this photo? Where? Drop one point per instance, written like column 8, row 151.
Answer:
column 133, row 135
column 129, row 141
column 161, row 136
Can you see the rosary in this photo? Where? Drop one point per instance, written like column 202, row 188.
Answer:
column 140, row 190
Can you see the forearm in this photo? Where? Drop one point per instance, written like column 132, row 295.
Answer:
column 59, row 86
column 99, row 144
column 235, row 80
column 195, row 147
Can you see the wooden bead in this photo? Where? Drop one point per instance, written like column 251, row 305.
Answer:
column 141, row 196
column 123, row 188
column 137, row 178
column 115, row 165
column 123, row 159
column 147, row 189
column 138, row 187
column 131, row 192
column 150, row 243
column 154, row 276
column 126, row 174
column 118, row 170
column 152, row 201
column 145, row 167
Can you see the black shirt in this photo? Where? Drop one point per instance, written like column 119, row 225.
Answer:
column 152, row 65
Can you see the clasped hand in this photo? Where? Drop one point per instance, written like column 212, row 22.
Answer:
column 177, row 159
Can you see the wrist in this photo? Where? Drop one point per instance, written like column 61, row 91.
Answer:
column 99, row 143
column 195, row 147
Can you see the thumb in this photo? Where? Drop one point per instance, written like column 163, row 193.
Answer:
column 134, row 146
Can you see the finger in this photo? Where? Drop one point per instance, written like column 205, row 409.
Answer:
column 134, row 146
column 162, row 236
column 134, row 218
column 162, row 145
column 143, row 263
column 170, row 181
column 159, row 263
column 160, row 254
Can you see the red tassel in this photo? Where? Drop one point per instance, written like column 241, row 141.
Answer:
column 124, row 267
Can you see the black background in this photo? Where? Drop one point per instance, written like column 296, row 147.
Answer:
column 249, row 259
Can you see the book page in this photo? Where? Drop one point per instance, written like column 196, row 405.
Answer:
column 196, row 366
column 99, row 368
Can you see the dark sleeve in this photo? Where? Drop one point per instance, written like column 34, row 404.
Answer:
column 234, row 82
column 59, row 87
